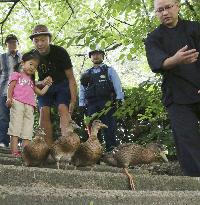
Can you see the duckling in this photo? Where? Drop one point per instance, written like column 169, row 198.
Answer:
column 64, row 148
column 36, row 152
column 155, row 152
column 132, row 154
column 90, row 152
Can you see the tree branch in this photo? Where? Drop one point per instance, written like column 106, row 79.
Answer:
column 70, row 6
column 113, row 47
column 63, row 26
column 124, row 22
column 147, row 14
column 80, row 54
column 8, row 14
column 108, row 23
column 5, row 19
column 190, row 6
column 82, row 66
column 27, row 9
column 39, row 5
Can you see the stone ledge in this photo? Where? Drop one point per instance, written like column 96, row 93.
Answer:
column 51, row 196
column 24, row 176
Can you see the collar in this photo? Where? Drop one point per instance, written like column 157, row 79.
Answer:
column 10, row 54
column 177, row 25
column 99, row 66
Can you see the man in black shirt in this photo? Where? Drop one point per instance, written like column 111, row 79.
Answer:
column 56, row 63
column 172, row 49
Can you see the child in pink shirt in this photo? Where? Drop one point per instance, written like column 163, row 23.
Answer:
column 21, row 101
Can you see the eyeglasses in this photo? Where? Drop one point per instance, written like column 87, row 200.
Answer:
column 161, row 9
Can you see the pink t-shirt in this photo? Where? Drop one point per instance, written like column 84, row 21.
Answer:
column 24, row 88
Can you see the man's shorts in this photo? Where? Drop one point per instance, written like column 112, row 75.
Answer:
column 21, row 120
column 57, row 94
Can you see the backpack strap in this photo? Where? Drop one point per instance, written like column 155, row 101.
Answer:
column 4, row 61
column 105, row 71
column 5, row 76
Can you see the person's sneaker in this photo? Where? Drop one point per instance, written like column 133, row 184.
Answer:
column 2, row 144
column 16, row 154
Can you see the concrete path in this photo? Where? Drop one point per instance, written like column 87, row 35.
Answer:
column 103, row 185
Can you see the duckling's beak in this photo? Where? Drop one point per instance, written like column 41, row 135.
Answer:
column 77, row 127
column 163, row 155
column 104, row 126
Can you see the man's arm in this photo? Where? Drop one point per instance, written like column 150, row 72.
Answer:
column 0, row 64
column 116, row 83
column 82, row 101
column 42, row 91
column 160, row 61
column 11, row 87
column 82, row 96
column 47, row 81
column 73, row 88
column 155, row 53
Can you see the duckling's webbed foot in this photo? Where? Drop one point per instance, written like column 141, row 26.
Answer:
column 58, row 165
column 132, row 184
column 66, row 164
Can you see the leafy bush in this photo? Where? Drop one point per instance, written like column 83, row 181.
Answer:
column 142, row 118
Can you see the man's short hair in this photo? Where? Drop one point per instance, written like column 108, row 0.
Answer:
column 176, row 1
column 11, row 37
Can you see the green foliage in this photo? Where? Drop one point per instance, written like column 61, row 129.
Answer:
column 91, row 203
column 89, row 22
column 143, row 118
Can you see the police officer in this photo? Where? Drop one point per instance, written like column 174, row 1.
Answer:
column 98, row 85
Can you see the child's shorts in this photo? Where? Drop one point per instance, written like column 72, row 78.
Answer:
column 21, row 120
column 57, row 94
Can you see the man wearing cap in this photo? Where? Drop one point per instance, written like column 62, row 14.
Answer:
column 7, row 62
column 99, row 85
column 54, row 62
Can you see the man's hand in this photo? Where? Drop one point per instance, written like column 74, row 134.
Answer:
column 9, row 102
column 48, row 81
column 182, row 56
column 185, row 56
column 71, row 107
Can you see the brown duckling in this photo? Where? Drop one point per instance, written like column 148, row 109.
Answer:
column 64, row 148
column 132, row 154
column 36, row 152
column 90, row 152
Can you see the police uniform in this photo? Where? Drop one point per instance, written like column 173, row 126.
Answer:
column 98, row 86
